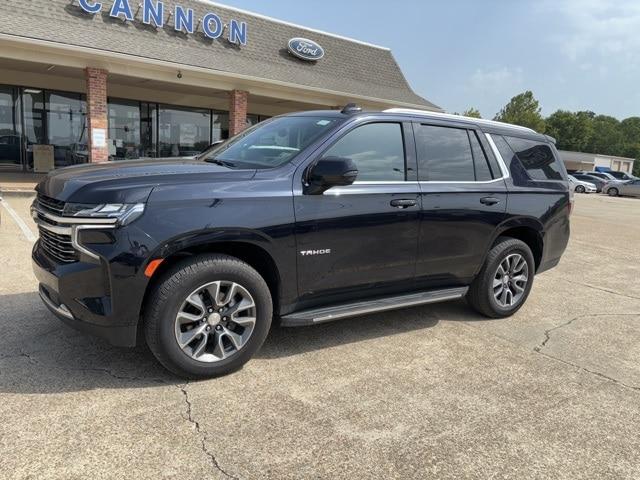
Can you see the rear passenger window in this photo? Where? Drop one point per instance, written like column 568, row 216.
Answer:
column 536, row 157
column 444, row 154
column 483, row 172
column 376, row 148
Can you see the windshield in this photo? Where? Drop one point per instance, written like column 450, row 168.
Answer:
column 272, row 143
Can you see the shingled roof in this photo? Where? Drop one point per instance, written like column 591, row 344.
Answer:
column 349, row 67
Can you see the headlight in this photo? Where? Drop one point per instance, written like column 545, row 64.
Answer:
column 124, row 212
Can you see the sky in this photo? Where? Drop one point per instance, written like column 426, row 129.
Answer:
column 573, row 54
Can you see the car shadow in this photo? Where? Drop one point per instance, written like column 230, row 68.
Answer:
column 40, row 355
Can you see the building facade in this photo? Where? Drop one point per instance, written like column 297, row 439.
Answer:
column 592, row 161
column 105, row 80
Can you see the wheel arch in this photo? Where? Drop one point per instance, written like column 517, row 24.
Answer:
column 528, row 231
column 250, row 248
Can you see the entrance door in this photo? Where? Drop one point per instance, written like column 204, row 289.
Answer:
column 10, row 131
column 364, row 235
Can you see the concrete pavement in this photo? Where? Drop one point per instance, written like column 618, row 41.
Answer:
column 429, row 392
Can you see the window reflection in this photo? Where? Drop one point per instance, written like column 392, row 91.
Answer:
column 67, row 128
column 9, row 127
column 183, row 132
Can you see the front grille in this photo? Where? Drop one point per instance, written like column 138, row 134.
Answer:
column 51, row 205
column 58, row 245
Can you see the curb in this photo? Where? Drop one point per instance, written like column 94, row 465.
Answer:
column 16, row 192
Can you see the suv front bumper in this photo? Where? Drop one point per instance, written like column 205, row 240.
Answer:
column 79, row 296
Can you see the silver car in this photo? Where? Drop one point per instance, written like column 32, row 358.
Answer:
column 631, row 189
column 580, row 186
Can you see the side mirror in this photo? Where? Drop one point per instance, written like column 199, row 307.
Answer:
column 330, row 172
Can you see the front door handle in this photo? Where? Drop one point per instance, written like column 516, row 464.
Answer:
column 489, row 200
column 403, row 203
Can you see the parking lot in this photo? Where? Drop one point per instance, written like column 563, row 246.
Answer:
column 429, row 392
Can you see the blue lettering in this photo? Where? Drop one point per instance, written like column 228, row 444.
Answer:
column 238, row 32
column 153, row 12
column 89, row 8
column 207, row 20
column 121, row 7
column 184, row 20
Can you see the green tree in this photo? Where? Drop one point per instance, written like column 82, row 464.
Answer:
column 572, row 130
column 472, row 112
column 523, row 109
column 607, row 136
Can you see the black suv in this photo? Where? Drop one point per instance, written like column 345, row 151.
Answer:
column 306, row 218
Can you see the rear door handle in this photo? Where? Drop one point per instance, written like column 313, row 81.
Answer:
column 403, row 203
column 489, row 200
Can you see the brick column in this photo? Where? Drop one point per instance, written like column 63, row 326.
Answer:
column 237, row 111
column 97, row 111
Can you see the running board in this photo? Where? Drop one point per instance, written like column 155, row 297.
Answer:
column 337, row 312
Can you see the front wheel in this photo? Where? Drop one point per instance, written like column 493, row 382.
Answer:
column 505, row 280
column 580, row 189
column 612, row 192
column 207, row 316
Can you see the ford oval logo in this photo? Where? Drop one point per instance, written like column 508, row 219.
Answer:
column 305, row 49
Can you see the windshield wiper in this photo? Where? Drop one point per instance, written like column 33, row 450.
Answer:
column 223, row 163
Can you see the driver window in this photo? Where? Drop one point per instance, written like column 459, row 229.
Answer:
column 376, row 148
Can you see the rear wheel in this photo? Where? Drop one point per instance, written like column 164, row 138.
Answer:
column 580, row 189
column 207, row 316
column 505, row 280
column 613, row 192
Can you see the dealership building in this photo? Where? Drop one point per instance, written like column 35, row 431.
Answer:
column 105, row 80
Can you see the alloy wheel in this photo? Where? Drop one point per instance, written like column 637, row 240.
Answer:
column 215, row 321
column 510, row 280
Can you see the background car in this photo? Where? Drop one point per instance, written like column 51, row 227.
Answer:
column 580, row 186
column 622, row 176
column 598, row 182
column 631, row 189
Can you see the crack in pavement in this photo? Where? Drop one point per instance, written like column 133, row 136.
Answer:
column 547, row 335
column 203, row 436
column 602, row 289
column 592, row 372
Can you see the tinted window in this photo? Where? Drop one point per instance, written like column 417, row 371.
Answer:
column 536, row 157
column 376, row 148
column 272, row 143
column 483, row 173
column 444, row 154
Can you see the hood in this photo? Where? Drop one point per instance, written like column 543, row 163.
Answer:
column 131, row 181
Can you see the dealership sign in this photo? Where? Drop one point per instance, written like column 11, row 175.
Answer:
column 153, row 13
column 305, row 49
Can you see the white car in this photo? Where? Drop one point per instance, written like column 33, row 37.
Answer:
column 580, row 186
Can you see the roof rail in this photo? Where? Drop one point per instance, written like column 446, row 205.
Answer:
column 450, row 116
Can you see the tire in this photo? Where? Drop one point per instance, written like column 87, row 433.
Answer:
column 580, row 189
column 613, row 192
column 166, row 305
column 481, row 294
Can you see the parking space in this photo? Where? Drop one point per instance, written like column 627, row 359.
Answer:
column 436, row 391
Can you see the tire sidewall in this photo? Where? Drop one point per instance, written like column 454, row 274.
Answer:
column 613, row 192
column 580, row 189
column 193, row 280
column 510, row 249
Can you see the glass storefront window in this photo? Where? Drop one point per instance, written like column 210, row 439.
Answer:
column 183, row 131
column 67, row 127
column 220, row 126
column 149, row 122
column 9, row 127
column 33, row 105
column 125, row 141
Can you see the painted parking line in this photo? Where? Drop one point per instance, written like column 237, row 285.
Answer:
column 23, row 226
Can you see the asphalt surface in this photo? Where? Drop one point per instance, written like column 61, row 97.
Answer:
column 429, row 392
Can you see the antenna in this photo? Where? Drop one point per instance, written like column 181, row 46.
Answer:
column 351, row 108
